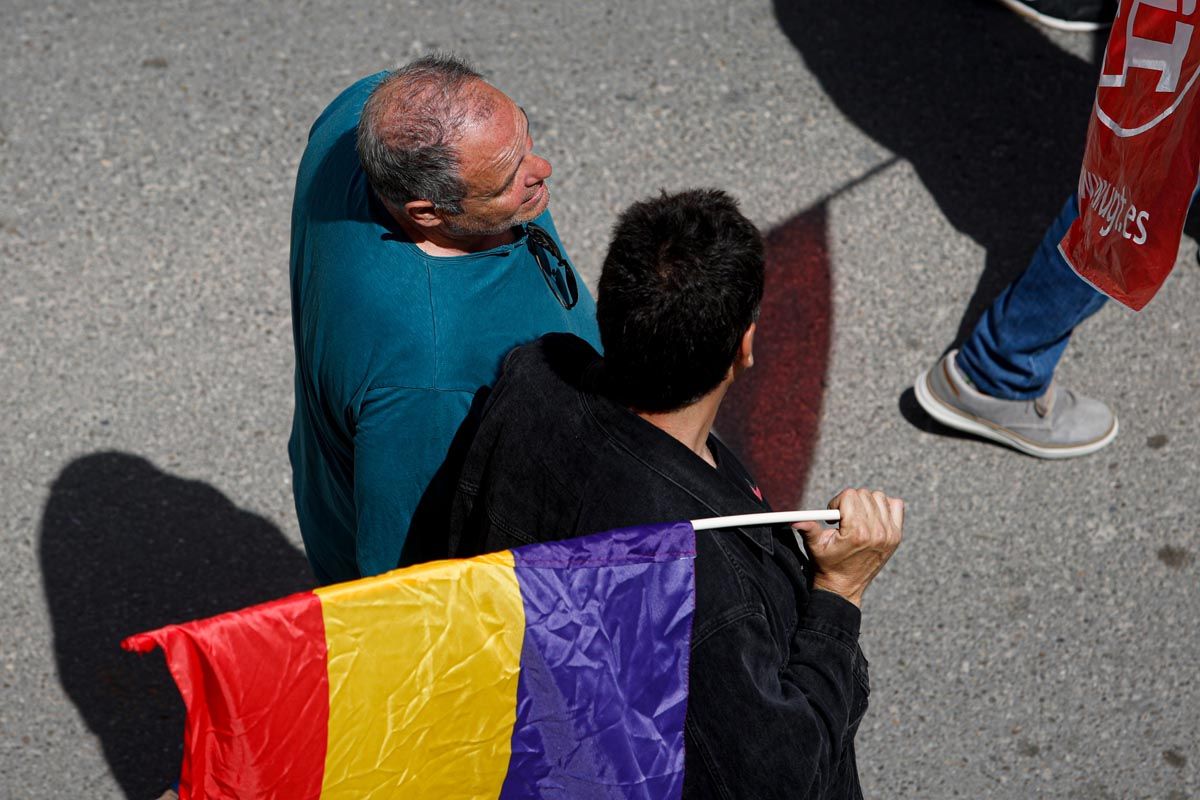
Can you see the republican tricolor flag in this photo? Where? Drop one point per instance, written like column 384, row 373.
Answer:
column 552, row 670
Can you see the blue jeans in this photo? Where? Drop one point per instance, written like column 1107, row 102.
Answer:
column 1018, row 341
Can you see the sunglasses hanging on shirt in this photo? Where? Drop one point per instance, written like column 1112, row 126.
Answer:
column 560, row 278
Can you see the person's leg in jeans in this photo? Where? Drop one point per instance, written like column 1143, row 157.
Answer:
column 1017, row 343
column 999, row 385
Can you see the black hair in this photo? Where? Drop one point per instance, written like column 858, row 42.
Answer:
column 682, row 281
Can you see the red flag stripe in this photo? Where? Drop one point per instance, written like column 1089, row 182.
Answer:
column 289, row 738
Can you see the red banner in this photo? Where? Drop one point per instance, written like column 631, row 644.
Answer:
column 1143, row 152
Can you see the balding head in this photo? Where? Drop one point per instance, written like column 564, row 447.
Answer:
column 410, row 128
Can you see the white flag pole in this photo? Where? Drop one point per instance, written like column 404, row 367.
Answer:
column 770, row 518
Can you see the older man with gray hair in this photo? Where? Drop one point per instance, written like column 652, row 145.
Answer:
column 422, row 252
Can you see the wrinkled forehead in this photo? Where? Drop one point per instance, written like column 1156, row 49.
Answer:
column 493, row 139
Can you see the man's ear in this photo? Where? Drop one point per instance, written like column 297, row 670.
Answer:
column 423, row 213
column 745, row 354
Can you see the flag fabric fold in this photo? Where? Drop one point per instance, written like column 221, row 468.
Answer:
column 551, row 670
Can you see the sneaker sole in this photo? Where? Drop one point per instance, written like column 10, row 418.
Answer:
column 1054, row 22
column 960, row 420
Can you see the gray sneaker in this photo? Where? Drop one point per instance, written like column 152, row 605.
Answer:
column 1059, row 424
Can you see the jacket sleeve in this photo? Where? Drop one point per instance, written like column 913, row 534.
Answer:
column 401, row 439
column 767, row 724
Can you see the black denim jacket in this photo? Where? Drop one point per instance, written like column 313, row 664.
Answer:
column 777, row 683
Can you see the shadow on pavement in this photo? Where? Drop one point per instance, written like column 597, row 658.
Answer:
column 125, row 547
column 772, row 415
column 990, row 113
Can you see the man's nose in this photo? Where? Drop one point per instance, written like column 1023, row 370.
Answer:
column 539, row 171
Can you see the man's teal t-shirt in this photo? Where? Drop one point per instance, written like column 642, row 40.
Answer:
column 392, row 347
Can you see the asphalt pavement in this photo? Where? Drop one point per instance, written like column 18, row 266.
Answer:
column 1035, row 637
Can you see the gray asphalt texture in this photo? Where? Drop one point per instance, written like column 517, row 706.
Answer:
column 1035, row 637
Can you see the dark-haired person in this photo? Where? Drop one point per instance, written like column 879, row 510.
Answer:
column 571, row 443
column 422, row 252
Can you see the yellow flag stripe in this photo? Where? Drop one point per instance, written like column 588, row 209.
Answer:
column 423, row 667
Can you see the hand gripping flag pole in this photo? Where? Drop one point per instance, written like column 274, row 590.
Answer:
column 770, row 518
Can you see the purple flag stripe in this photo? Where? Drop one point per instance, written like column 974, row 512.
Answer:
column 602, row 693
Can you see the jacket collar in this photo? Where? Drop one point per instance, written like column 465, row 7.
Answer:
column 670, row 458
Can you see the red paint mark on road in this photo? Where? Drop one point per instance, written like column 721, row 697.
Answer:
column 772, row 414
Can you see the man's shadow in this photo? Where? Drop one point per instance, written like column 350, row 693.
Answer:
column 989, row 112
column 125, row 547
